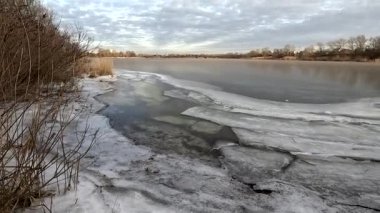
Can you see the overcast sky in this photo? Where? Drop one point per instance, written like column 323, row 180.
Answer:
column 166, row 26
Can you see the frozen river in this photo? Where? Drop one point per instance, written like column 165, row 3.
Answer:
column 218, row 144
column 295, row 81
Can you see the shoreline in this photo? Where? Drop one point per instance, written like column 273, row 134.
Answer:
column 375, row 63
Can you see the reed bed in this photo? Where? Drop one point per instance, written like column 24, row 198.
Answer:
column 95, row 67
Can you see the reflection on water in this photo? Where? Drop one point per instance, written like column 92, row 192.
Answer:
column 140, row 111
column 295, row 81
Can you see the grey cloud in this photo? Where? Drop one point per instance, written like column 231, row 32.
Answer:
column 214, row 25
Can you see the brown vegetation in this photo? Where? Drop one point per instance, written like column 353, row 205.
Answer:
column 357, row 48
column 96, row 66
column 34, row 50
column 37, row 66
column 109, row 53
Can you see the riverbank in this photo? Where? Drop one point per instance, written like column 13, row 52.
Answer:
column 373, row 62
column 120, row 176
column 289, row 59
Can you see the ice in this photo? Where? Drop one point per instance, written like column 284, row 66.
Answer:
column 356, row 134
column 290, row 157
column 190, row 85
column 206, row 127
column 297, row 136
column 188, row 95
column 253, row 165
column 198, row 126
column 330, row 157
column 176, row 120
column 332, row 149
column 306, row 146
column 165, row 138
column 111, row 154
column 345, row 180
column 356, row 111
column 299, row 199
column 150, row 93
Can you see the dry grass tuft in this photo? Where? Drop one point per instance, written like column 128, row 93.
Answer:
column 96, row 66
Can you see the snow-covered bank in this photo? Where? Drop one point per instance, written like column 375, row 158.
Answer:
column 119, row 176
column 111, row 154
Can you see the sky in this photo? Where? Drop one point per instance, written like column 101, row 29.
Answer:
column 216, row 26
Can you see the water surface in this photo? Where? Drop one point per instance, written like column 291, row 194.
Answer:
column 140, row 111
column 293, row 81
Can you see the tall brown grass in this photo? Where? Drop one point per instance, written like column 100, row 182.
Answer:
column 96, row 66
column 37, row 68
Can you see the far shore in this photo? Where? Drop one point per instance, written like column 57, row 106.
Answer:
column 260, row 59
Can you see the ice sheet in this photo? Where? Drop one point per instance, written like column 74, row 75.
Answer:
column 118, row 176
column 324, row 144
column 356, row 111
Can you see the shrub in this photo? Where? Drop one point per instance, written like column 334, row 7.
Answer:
column 33, row 49
column 37, row 65
column 34, row 155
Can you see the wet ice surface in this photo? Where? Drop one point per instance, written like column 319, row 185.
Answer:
column 142, row 113
column 332, row 149
column 188, row 147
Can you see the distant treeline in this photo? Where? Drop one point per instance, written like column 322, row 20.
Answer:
column 357, row 48
column 109, row 53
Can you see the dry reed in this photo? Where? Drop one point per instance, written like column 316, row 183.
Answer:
column 96, row 66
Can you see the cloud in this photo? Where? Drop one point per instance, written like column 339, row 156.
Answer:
column 217, row 25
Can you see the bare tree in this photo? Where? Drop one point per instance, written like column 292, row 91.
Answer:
column 360, row 43
column 321, row 47
column 351, row 43
column 310, row 49
column 374, row 43
column 337, row 45
column 289, row 50
column 266, row 51
column 307, row 52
